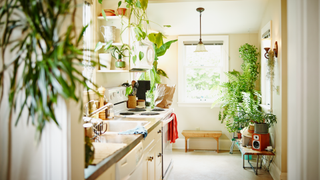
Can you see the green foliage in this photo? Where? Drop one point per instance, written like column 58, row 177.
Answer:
column 240, row 100
column 270, row 65
column 47, row 56
column 232, row 91
column 129, row 90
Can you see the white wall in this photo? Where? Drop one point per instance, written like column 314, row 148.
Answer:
column 274, row 12
column 303, row 89
column 205, row 118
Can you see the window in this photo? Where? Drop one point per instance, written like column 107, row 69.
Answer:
column 88, row 69
column 200, row 73
column 266, row 83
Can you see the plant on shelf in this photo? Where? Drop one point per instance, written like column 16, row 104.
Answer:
column 117, row 52
column 231, row 95
column 137, row 19
column 138, row 23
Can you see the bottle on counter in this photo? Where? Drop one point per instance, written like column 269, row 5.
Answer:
column 110, row 114
column 94, row 107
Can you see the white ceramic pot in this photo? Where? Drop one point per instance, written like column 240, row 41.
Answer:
column 105, row 59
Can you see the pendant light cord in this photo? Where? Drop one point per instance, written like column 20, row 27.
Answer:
column 200, row 29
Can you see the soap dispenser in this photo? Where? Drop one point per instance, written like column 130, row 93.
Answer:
column 94, row 107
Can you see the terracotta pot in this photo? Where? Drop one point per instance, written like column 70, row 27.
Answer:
column 251, row 129
column 239, row 135
column 121, row 11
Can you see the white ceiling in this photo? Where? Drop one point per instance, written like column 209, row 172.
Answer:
column 219, row 17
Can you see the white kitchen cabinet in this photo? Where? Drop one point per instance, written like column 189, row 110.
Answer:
column 158, row 161
column 152, row 155
column 109, row 174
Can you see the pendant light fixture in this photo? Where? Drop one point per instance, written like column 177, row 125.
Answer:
column 200, row 46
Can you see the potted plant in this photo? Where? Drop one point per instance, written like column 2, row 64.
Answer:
column 117, row 52
column 231, row 94
column 250, row 107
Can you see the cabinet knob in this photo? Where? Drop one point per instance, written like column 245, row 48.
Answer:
column 159, row 131
column 159, row 155
column 150, row 158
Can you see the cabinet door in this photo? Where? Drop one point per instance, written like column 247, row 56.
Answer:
column 158, row 161
column 151, row 164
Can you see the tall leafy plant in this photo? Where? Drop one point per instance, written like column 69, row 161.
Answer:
column 232, row 91
column 48, row 57
column 46, row 60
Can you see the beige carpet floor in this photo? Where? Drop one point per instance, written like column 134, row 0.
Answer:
column 210, row 165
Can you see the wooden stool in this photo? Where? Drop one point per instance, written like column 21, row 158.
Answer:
column 196, row 133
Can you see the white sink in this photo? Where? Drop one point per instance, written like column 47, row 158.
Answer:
column 120, row 126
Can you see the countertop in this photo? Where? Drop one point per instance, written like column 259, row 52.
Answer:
column 92, row 172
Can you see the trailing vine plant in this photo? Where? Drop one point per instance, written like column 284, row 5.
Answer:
column 270, row 65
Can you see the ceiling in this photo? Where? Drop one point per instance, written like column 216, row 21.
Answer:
column 219, row 17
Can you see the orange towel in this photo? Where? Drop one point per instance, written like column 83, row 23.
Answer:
column 173, row 129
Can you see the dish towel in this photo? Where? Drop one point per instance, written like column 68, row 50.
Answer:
column 137, row 130
column 173, row 128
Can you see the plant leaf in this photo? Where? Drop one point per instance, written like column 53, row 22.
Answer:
column 162, row 50
column 152, row 37
column 104, row 15
column 144, row 4
column 138, row 4
column 100, row 1
column 128, row 90
column 98, row 46
column 82, row 32
column 159, row 40
column 134, row 59
column 108, row 45
column 162, row 73
column 119, row 3
column 141, row 55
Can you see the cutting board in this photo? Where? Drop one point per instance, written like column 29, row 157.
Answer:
column 104, row 150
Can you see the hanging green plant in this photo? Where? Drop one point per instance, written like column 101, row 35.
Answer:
column 270, row 65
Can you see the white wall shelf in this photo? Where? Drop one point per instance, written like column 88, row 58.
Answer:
column 112, row 71
column 112, row 17
column 115, row 44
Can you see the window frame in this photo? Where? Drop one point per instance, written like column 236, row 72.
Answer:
column 181, row 69
column 87, row 18
column 266, row 85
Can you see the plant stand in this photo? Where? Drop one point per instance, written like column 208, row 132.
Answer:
column 234, row 139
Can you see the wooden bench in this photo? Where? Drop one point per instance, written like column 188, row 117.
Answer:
column 197, row 133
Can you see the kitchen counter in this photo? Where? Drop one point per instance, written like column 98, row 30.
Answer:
column 92, row 172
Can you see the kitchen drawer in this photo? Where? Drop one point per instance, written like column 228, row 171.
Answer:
column 152, row 137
